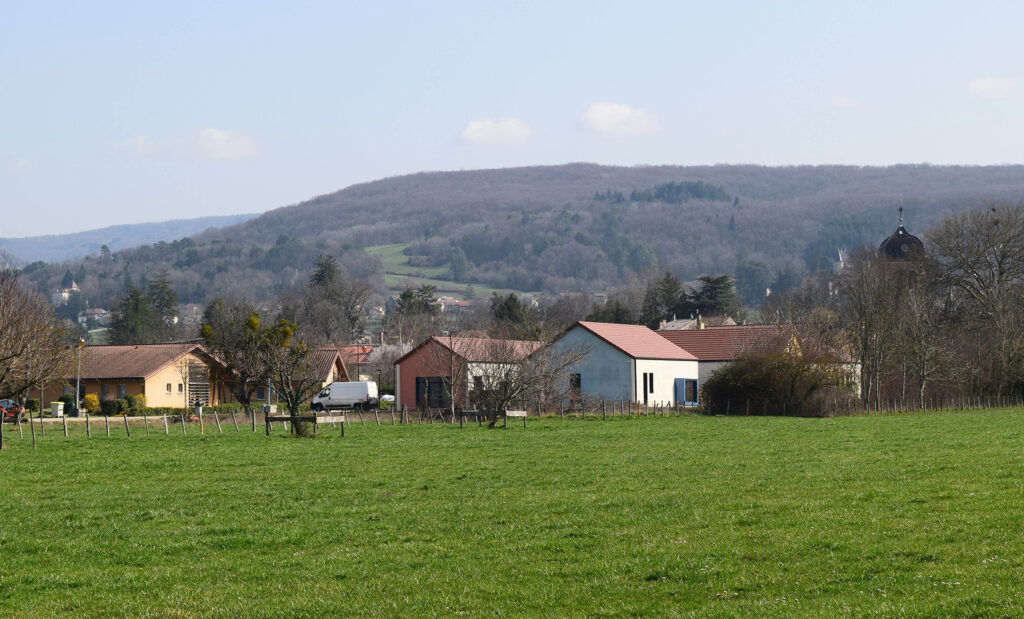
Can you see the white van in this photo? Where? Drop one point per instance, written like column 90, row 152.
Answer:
column 357, row 395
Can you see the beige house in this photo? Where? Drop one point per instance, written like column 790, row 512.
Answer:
column 176, row 374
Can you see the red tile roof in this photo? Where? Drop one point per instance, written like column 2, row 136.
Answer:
column 140, row 361
column 637, row 341
column 482, row 350
column 485, row 350
column 323, row 359
column 722, row 343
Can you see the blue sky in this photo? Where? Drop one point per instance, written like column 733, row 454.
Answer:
column 143, row 111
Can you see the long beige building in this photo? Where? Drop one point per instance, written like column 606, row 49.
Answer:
column 176, row 374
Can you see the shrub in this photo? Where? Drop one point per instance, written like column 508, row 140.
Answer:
column 68, row 400
column 135, row 402
column 778, row 384
column 91, row 403
column 110, row 407
column 32, row 404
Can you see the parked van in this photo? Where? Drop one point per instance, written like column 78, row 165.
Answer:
column 357, row 395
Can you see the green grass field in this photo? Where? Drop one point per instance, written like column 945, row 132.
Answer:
column 914, row 515
column 398, row 274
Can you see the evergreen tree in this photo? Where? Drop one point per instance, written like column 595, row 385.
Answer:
column 327, row 271
column 717, row 296
column 134, row 320
column 163, row 301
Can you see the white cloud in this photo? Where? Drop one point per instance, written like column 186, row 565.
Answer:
column 22, row 164
column 209, row 143
column 501, row 131
column 991, row 87
column 219, row 144
column 844, row 101
column 619, row 119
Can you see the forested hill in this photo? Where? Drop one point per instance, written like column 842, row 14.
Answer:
column 557, row 228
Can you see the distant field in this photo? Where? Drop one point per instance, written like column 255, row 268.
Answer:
column 695, row 516
column 398, row 273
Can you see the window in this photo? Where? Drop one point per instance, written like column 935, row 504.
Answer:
column 261, row 394
column 122, row 391
column 691, row 392
column 575, row 385
column 648, row 380
column 104, row 391
column 168, row 388
column 478, row 383
column 181, row 388
column 68, row 390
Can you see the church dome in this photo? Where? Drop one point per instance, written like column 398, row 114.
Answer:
column 902, row 245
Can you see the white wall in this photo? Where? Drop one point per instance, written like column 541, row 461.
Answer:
column 665, row 374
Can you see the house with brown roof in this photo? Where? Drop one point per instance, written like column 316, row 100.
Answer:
column 629, row 363
column 715, row 347
column 175, row 374
column 424, row 375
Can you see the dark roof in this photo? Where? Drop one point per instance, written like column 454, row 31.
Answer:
column 135, row 362
column 637, row 341
column 721, row 343
column 902, row 246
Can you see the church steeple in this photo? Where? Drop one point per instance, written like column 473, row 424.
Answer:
column 902, row 245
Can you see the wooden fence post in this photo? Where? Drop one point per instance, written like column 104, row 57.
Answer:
column 88, row 427
column 376, row 416
column 127, row 430
column 106, row 423
column 64, row 420
column 233, row 420
column 183, row 432
column 216, row 417
column 145, row 420
column 32, row 427
column 167, row 429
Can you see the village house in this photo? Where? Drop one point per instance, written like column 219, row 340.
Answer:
column 629, row 363
column 715, row 347
column 176, row 374
column 423, row 376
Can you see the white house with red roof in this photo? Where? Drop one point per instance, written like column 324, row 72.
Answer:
column 629, row 363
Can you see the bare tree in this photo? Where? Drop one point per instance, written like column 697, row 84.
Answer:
column 291, row 369
column 35, row 348
column 231, row 330
column 869, row 310
column 981, row 257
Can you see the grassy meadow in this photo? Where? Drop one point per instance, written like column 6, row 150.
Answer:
column 912, row 515
column 398, row 274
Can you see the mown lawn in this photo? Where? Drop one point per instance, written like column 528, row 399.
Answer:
column 915, row 515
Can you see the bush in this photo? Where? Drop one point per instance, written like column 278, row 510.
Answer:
column 32, row 405
column 778, row 384
column 111, row 407
column 135, row 402
column 68, row 400
column 91, row 403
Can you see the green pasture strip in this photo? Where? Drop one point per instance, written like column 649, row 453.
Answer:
column 907, row 515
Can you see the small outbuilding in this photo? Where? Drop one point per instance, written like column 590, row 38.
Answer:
column 629, row 363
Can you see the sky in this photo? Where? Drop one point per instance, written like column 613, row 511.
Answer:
column 134, row 112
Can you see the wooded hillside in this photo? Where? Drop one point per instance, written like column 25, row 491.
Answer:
column 558, row 228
